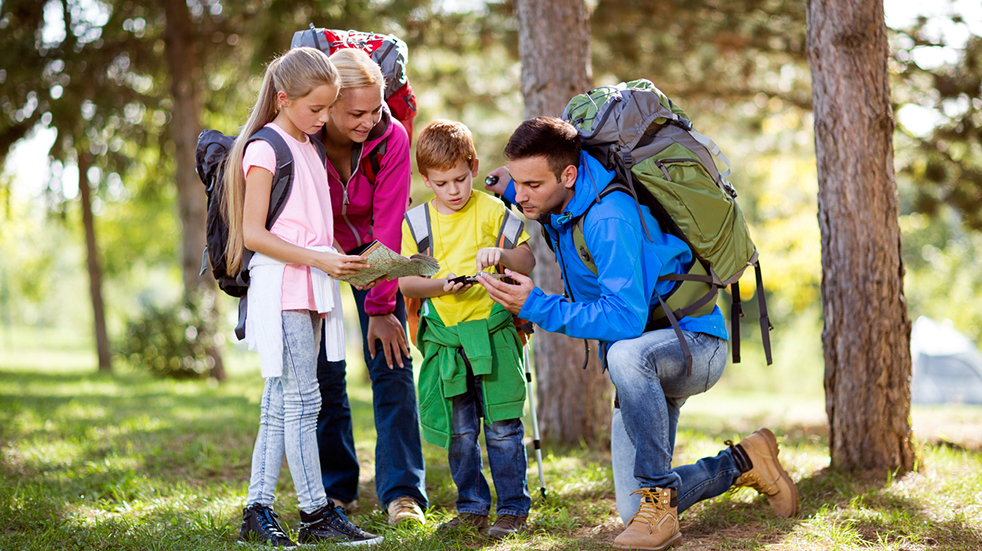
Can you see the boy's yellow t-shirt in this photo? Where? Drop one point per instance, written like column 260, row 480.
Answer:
column 456, row 239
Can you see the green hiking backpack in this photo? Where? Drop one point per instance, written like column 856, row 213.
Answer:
column 648, row 141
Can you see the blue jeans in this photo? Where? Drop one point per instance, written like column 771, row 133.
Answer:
column 399, row 469
column 506, row 455
column 288, row 417
column 650, row 376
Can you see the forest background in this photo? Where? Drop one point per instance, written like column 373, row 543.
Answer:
column 738, row 68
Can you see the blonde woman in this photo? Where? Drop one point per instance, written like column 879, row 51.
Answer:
column 369, row 173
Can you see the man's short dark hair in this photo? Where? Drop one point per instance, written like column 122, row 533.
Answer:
column 549, row 137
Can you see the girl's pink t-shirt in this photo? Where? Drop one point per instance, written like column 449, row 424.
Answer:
column 306, row 219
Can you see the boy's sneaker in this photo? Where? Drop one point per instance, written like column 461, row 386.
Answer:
column 766, row 475
column 404, row 508
column 506, row 525
column 259, row 526
column 466, row 521
column 329, row 524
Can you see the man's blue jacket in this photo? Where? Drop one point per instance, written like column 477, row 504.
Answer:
column 613, row 304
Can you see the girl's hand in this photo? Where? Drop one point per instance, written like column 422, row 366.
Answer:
column 454, row 288
column 336, row 264
column 487, row 257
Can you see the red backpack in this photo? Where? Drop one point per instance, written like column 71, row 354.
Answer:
column 388, row 51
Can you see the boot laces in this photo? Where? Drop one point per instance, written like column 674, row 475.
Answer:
column 652, row 509
column 752, row 480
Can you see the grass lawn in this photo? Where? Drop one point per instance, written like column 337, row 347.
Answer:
column 132, row 462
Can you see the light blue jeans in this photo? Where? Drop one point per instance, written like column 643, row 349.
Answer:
column 288, row 418
column 650, row 376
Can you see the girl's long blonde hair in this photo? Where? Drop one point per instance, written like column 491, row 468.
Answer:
column 357, row 70
column 297, row 73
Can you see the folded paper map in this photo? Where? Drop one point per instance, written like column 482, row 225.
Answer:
column 387, row 263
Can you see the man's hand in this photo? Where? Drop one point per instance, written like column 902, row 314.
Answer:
column 512, row 297
column 387, row 329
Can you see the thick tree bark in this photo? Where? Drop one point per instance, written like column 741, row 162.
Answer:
column 93, row 263
column 183, row 64
column 867, row 329
column 554, row 41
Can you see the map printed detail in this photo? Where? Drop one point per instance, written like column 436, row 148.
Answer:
column 390, row 264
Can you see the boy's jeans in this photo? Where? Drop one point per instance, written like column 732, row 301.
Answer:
column 399, row 469
column 506, row 454
column 650, row 376
column 288, row 418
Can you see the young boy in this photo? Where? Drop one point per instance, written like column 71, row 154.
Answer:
column 472, row 365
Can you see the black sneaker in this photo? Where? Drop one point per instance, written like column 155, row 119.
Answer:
column 259, row 526
column 329, row 524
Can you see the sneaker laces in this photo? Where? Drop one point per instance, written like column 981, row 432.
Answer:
column 651, row 510
column 405, row 505
column 268, row 524
column 336, row 518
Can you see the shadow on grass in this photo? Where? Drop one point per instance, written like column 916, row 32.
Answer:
column 858, row 506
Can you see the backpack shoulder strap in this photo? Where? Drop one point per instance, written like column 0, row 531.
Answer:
column 579, row 240
column 418, row 219
column 511, row 230
column 283, row 177
column 371, row 164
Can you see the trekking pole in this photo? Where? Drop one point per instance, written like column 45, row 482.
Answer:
column 535, row 421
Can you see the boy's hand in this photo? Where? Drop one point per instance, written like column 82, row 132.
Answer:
column 487, row 257
column 451, row 288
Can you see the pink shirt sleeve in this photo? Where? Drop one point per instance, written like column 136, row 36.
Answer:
column 259, row 153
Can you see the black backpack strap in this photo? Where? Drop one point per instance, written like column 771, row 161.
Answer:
column 765, row 321
column 371, row 164
column 283, row 177
column 736, row 312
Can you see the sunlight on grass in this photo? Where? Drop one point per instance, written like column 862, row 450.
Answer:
column 131, row 462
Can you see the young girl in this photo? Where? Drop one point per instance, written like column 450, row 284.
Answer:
column 289, row 290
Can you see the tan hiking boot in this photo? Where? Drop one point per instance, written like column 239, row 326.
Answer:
column 766, row 475
column 404, row 508
column 655, row 526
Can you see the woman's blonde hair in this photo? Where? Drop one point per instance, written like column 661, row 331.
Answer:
column 296, row 73
column 357, row 70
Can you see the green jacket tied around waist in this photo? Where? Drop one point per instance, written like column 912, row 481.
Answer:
column 492, row 348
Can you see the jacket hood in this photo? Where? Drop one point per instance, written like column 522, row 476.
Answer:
column 591, row 179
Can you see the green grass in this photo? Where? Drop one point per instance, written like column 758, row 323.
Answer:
column 130, row 462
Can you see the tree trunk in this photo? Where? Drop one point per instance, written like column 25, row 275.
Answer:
column 184, row 67
column 867, row 330
column 554, row 42
column 93, row 264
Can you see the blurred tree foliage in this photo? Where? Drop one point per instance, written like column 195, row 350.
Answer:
column 737, row 67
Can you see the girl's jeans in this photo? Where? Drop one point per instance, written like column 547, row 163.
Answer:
column 506, row 454
column 288, row 418
column 650, row 376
